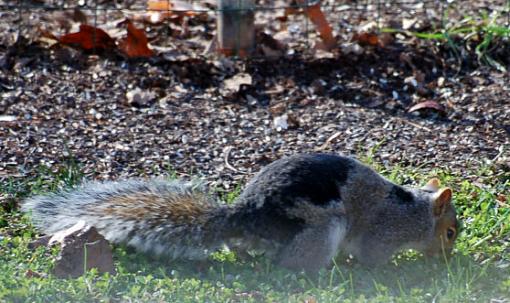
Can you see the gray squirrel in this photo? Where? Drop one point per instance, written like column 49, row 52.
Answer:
column 301, row 211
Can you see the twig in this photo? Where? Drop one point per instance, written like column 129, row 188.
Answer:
column 501, row 151
column 226, row 153
column 328, row 141
column 415, row 125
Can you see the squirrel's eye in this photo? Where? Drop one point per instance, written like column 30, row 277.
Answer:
column 450, row 233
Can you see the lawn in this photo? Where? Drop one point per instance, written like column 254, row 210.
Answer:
column 479, row 270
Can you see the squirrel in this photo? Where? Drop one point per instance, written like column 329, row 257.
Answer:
column 301, row 211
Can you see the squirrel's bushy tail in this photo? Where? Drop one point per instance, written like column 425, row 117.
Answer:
column 171, row 218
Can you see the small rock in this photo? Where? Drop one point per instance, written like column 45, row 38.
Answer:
column 394, row 94
column 235, row 83
column 251, row 100
column 352, row 48
column 411, row 80
column 184, row 139
column 139, row 98
column 7, row 118
column 281, row 122
column 81, row 243
column 407, row 24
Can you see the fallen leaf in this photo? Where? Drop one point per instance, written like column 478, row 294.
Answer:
column 365, row 38
column 501, row 199
column 89, row 38
column 317, row 17
column 135, row 44
column 385, row 39
column 428, row 105
column 34, row 274
column 172, row 6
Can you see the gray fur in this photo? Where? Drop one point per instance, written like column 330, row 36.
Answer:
column 314, row 248
column 379, row 225
column 58, row 211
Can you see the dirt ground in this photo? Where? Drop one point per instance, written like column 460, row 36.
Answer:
column 193, row 116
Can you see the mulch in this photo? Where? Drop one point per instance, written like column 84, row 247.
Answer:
column 59, row 103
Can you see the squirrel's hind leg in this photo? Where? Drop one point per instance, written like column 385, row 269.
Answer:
column 314, row 247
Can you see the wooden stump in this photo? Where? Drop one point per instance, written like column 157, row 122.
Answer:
column 236, row 31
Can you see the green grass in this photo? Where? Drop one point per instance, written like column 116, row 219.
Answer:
column 479, row 271
column 482, row 35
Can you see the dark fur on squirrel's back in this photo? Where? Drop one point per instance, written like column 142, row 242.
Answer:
column 300, row 210
column 278, row 187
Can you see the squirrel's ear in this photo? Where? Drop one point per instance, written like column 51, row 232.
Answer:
column 441, row 199
column 433, row 184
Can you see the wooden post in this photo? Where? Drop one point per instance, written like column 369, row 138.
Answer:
column 236, row 31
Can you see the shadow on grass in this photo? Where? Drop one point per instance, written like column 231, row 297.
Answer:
column 459, row 279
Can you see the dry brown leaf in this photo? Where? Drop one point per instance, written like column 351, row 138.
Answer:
column 502, row 199
column 317, row 17
column 365, row 38
column 315, row 14
column 89, row 38
column 34, row 274
column 385, row 39
column 135, row 45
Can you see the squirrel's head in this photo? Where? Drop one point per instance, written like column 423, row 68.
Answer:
column 446, row 225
